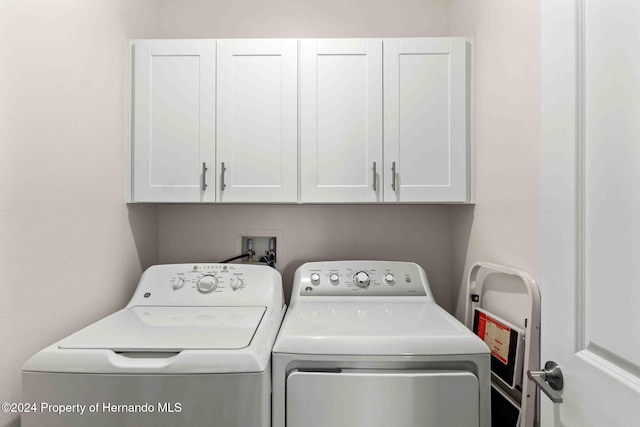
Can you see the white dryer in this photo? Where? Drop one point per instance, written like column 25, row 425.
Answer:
column 364, row 344
column 192, row 347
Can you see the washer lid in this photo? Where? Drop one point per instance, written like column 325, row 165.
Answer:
column 374, row 328
column 170, row 329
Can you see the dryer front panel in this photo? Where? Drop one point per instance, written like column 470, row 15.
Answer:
column 380, row 398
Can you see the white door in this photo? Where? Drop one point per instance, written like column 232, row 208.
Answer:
column 174, row 120
column 590, row 253
column 341, row 120
column 257, row 122
column 426, row 144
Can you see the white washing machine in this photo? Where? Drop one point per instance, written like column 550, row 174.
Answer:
column 364, row 344
column 192, row 347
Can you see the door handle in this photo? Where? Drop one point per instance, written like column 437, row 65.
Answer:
column 549, row 380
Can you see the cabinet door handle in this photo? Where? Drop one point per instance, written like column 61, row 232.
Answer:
column 204, row 176
column 222, row 184
column 393, row 176
column 375, row 184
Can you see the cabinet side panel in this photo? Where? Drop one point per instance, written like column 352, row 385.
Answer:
column 141, row 121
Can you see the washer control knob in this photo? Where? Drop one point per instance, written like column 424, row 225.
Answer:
column 237, row 284
column 361, row 279
column 389, row 279
column 178, row 283
column 315, row 278
column 334, row 278
column 207, row 284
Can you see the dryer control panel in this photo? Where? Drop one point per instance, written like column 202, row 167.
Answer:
column 360, row 278
column 208, row 284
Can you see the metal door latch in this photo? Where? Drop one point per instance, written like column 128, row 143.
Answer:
column 550, row 380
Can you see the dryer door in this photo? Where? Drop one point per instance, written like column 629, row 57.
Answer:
column 379, row 398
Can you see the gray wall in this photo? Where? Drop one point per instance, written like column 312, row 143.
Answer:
column 504, row 226
column 312, row 233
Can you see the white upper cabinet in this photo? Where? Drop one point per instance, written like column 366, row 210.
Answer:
column 341, row 120
column 173, row 110
column 426, row 141
column 257, row 121
column 311, row 121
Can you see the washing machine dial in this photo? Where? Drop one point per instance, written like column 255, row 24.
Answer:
column 361, row 279
column 315, row 278
column 177, row 283
column 334, row 278
column 207, row 284
column 237, row 284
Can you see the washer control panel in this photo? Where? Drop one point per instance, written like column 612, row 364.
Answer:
column 360, row 278
column 207, row 278
column 207, row 284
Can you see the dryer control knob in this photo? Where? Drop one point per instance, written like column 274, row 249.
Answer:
column 334, row 278
column 207, row 284
column 361, row 279
column 315, row 278
column 389, row 279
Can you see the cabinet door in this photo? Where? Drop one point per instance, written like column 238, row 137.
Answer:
column 341, row 120
column 257, row 121
column 425, row 120
column 173, row 121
